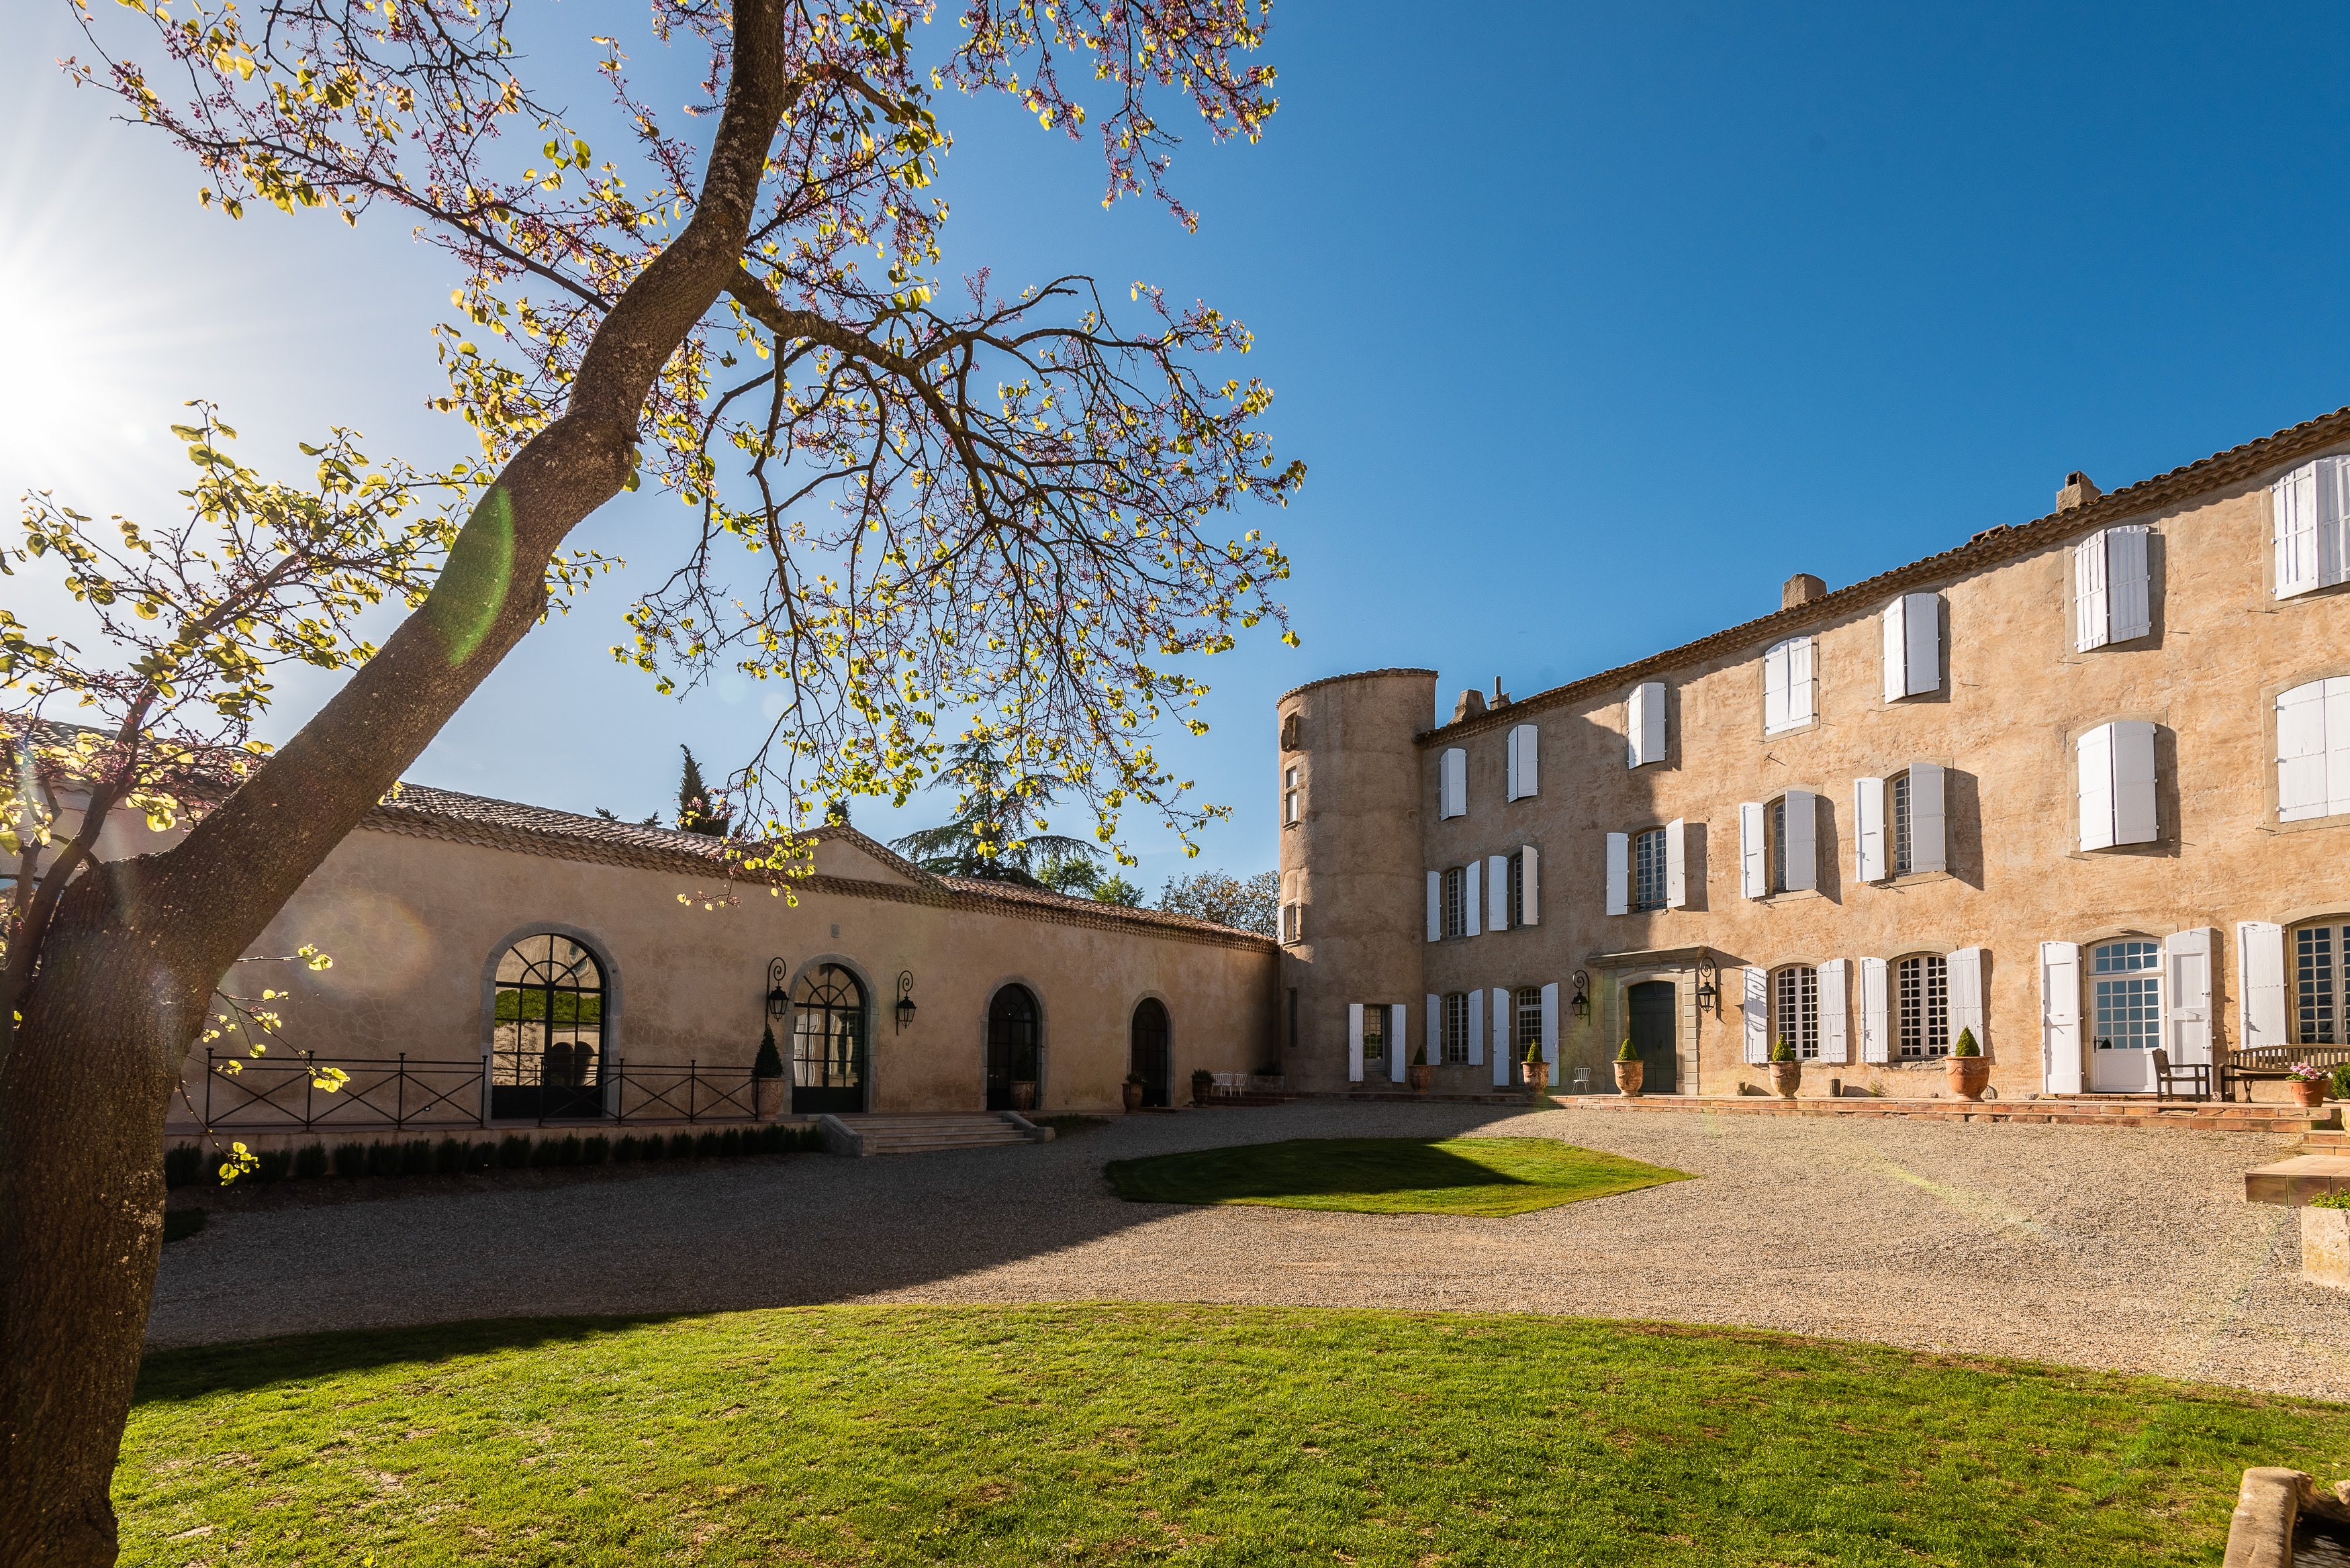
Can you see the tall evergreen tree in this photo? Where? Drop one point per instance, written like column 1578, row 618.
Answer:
column 697, row 810
column 992, row 834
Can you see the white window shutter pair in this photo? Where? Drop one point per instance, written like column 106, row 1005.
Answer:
column 1470, row 907
column 1757, row 1008
column 1619, row 873
column 2186, row 993
column 2313, row 726
column 1913, row 646
column 1644, row 723
column 1803, row 841
column 1787, row 685
column 1497, row 893
column 1476, row 1028
column 1677, row 864
column 1397, row 1053
column 1529, row 886
column 2059, row 1017
column 1550, row 1023
column 2312, row 526
column 1452, row 782
column 1869, row 861
column 2112, row 596
column 1501, row 1051
column 2259, row 969
column 1354, row 1042
column 1835, row 1027
column 1754, row 852
column 1525, row 762
column 2116, row 784
column 1876, row 1042
column 1967, row 1001
column 1436, row 906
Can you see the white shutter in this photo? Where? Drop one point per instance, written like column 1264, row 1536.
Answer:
column 2092, row 619
column 1753, row 861
column 1897, row 650
column 2332, row 520
column 1834, row 1019
column 1803, row 686
column 2296, row 501
column 1802, row 840
column 1757, row 1007
column 2059, row 1018
column 2094, row 752
column 1529, row 885
column 1550, row 1024
column 2260, row 969
column 1436, row 906
column 1929, row 839
column 1968, row 1003
column 2303, row 787
column 1774, row 687
column 1452, row 782
column 1677, row 864
column 1644, row 723
column 1433, row 1043
column 1476, row 1028
column 1471, row 906
column 1924, row 659
column 1503, row 1054
column 1619, row 873
column 1873, row 1041
column 1397, row 1052
column 1869, row 829
column 1497, row 893
column 1510, row 766
column 1354, row 1042
column 2128, row 594
column 1526, row 757
column 2337, row 745
column 2187, row 994
column 2134, row 814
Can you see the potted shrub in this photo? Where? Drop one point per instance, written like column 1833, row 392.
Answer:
column 1418, row 1073
column 1629, row 1068
column 1133, row 1087
column 768, row 1077
column 1787, row 1071
column 1966, row 1068
column 1203, row 1084
column 2308, row 1083
column 1537, row 1071
column 1023, row 1094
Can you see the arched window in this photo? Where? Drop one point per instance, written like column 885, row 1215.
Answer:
column 1015, row 1048
column 547, row 1035
column 2316, row 959
column 828, row 1043
column 1921, row 992
column 1148, row 1059
column 1795, row 1010
column 2126, row 994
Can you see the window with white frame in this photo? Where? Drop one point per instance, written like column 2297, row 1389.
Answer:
column 1649, row 869
column 2126, row 995
column 2313, row 739
column 1921, row 992
column 1456, row 902
column 2312, row 529
column 1292, row 798
column 2112, row 596
column 2319, row 961
column 1517, row 902
column 1795, row 1010
column 1375, row 1039
column 1528, row 1035
column 1790, row 699
column 2117, row 766
column 1456, row 1029
column 1292, row 923
column 1901, row 825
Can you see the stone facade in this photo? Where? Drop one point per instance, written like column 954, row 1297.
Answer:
column 1999, row 697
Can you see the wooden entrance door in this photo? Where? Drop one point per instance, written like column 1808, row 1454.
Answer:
column 1015, row 1044
column 1655, row 1037
column 1149, row 1055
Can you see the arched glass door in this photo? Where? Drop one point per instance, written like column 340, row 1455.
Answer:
column 1150, row 1054
column 1015, row 1044
column 547, row 1035
column 828, row 1043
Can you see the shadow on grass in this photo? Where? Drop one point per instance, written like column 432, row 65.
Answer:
column 192, row 1372
column 1484, row 1177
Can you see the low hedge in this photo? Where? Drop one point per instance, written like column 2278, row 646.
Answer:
column 193, row 1165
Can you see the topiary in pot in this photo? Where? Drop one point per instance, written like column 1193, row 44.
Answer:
column 1418, row 1073
column 1966, row 1068
column 1537, row 1071
column 768, row 1077
column 1630, row 1071
column 1203, row 1085
column 1786, row 1069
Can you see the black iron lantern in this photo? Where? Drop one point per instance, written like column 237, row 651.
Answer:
column 1582, row 1002
column 1708, row 980
column 779, row 999
column 905, row 1008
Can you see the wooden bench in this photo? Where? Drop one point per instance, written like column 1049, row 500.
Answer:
column 2247, row 1064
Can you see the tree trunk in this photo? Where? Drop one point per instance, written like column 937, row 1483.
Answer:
column 128, row 963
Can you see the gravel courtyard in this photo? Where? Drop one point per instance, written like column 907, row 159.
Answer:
column 2122, row 1249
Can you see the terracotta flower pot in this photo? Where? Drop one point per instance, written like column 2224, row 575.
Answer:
column 1133, row 1098
column 1786, row 1077
column 1967, row 1076
column 1023, row 1095
column 1628, row 1076
column 1421, row 1076
column 1538, row 1075
column 2309, row 1093
column 767, row 1097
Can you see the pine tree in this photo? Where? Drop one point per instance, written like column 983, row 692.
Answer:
column 697, row 810
column 987, row 835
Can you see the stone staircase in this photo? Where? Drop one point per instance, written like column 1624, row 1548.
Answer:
column 882, row 1132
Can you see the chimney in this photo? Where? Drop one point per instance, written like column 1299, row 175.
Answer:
column 2078, row 492
column 1472, row 703
column 1501, row 697
column 1802, row 589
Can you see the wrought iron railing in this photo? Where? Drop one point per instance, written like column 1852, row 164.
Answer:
column 256, row 1094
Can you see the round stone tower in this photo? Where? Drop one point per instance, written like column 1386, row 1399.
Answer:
column 1351, row 865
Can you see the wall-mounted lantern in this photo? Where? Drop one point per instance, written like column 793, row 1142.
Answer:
column 779, row 999
column 905, row 1008
column 1582, row 1002
column 1708, row 980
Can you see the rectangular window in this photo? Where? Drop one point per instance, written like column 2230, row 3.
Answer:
column 1456, row 905
column 1898, row 809
column 1375, row 1039
column 1293, row 922
column 2318, row 954
column 1779, row 844
column 1456, row 1029
column 1529, row 1011
column 1796, row 1011
column 1922, row 985
column 1649, row 869
column 1517, row 889
column 1293, row 799
column 2127, row 987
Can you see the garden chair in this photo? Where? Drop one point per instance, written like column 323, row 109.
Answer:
column 2192, row 1078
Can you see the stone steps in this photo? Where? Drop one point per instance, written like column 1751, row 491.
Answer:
column 2292, row 1183
column 873, row 1132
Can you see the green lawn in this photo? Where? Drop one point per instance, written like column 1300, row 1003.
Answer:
column 1487, row 1177
column 1145, row 1434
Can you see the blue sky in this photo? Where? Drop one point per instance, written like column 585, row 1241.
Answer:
column 1592, row 323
